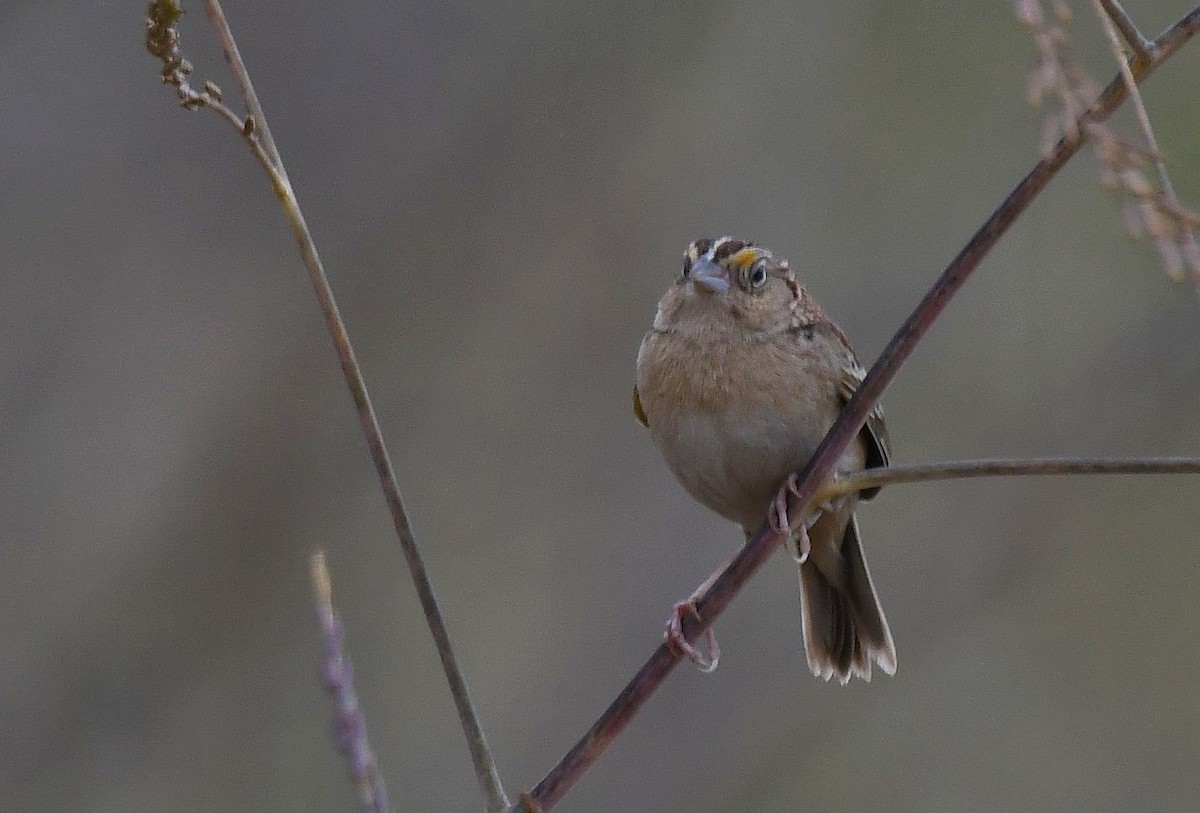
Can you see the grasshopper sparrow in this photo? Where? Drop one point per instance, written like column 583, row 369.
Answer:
column 738, row 381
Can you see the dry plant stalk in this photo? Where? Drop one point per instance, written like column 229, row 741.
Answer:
column 162, row 41
column 337, row 673
column 1149, row 209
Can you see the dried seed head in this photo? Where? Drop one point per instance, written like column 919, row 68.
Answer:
column 1135, row 182
column 1062, row 12
column 1171, row 257
column 1131, row 219
column 1110, row 181
column 1191, row 253
column 1029, row 12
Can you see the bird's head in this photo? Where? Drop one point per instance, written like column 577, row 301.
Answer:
column 728, row 284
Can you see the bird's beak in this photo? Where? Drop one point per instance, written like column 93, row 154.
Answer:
column 709, row 277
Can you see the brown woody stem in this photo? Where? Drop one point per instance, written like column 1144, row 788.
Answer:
column 967, row 469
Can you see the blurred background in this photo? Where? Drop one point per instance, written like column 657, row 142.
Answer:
column 501, row 193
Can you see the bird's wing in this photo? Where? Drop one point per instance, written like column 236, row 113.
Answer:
column 874, row 432
column 638, row 412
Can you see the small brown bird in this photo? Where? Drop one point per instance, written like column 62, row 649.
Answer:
column 738, row 382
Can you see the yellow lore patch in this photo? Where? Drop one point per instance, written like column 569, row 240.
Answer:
column 743, row 258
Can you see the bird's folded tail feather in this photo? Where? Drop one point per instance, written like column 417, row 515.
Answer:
column 845, row 629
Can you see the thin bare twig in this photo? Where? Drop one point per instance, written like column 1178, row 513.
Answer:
column 338, row 674
column 237, row 66
column 968, row 469
column 1143, row 49
column 163, row 14
column 758, row 549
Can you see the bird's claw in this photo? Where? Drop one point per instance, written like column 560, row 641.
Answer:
column 675, row 640
column 798, row 545
column 778, row 516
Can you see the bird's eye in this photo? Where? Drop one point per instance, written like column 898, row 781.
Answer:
column 758, row 275
column 687, row 266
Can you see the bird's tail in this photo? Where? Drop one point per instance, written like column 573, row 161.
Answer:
column 844, row 626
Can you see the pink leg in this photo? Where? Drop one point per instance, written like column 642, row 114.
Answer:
column 674, row 631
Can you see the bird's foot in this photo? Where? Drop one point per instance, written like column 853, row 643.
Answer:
column 798, row 543
column 675, row 639
column 777, row 518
